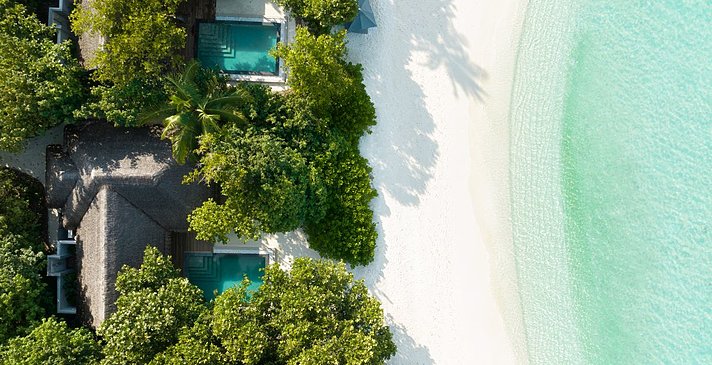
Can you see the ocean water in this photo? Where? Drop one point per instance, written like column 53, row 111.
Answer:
column 612, row 181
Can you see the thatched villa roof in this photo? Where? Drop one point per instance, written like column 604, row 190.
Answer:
column 121, row 190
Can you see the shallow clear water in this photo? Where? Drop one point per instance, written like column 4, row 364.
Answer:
column 612, row 181
column 219, row 272
column 238, row 47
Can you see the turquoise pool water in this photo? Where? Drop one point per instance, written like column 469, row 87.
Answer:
column 219, row 272
column 238, row 47
column 612, row 181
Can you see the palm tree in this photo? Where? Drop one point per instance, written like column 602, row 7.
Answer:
column 192, row 111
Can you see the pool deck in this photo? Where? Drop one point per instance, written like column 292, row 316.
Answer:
column 258, row 11
column 192, row 12
column 261, row 9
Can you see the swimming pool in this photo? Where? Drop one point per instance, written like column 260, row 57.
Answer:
column 218, row 272
column 239, row 47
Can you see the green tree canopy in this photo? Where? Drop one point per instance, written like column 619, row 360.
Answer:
column 22, row 207
column 39, row 80
column 264, row 182
column 316, row 313
column 142, row 37
column 324, row 82
column 22, row 291
column 322, row 15
column 346, row 229
column 155, row 304
column 296, row 163
column 52, row 342
column 121, row 104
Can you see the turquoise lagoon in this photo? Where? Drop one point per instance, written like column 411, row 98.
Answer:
column 612, row 181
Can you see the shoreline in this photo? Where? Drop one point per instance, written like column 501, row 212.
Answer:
column 490, row 153
column 440, row 75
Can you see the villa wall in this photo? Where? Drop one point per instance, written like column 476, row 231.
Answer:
column 248, row 9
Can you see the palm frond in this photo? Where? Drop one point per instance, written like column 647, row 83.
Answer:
column 182, row 129
column 209, row 121
column 156, row 114
column 171, row 126
column 229, row 115
column 190, row 71
column 234, row 98
column 184, row 85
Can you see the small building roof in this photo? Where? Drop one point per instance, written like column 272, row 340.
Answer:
column 121, row 189
column 133, row 162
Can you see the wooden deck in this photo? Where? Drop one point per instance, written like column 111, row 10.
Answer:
column 182, row 242
column 191, row 12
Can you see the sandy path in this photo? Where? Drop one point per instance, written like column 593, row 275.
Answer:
column 440, row 74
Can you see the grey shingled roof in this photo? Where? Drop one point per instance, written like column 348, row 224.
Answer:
column 121, row 189
column 134, row 162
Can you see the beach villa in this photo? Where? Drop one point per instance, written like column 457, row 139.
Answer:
column 117, row 191
column 239, row 38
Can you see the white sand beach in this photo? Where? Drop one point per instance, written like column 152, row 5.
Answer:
column 440, row 75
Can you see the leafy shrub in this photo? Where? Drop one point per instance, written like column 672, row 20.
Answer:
column 331, row 87
column 153, row 307
column 322, row 15
column 313, row 314
column 121, row 104
column 39, row 80
column 22, row 291
column 264, row 182
column 52, row 342
column 142, row 37
column 346, row 229
column 22, row 207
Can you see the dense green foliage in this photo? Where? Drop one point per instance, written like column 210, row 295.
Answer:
column 314, row 314
column 321, row 15
column 142, row 37
column 346, row 230
column 330, row 88
column 296, row 162
column 200, row 100
column 52, row 342
column 143, row 40
column 122, row 104
column 154, row 306
column 22, row 291
column 263, row 179
column 22, row 207
column 39, row 80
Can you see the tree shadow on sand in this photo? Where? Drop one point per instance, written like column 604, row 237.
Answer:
column 409, row 351
column 402, row 149
column 412, row 41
